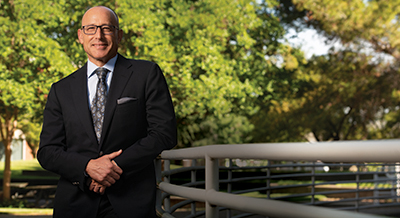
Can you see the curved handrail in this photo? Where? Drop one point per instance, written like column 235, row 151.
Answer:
column 259, row 206
column 336, row 151
column 342, row 151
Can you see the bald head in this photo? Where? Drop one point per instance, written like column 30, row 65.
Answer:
column 101, row 10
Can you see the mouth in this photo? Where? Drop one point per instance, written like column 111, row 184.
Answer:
column 99, row 45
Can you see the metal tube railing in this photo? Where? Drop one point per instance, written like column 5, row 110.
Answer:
column 358, row 188
column 264, row 207
column 313, row 185
column 338, row 151
column 193, row 179
column 212, row 182
column 302, row 185
column 229, row 187
column 349, row 151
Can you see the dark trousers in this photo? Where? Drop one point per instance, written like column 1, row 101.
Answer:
column 105, row 209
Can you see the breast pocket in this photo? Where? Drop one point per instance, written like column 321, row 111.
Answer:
column 127, row 105
column 126, row 116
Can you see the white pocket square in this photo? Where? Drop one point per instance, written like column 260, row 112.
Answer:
column 125, row 99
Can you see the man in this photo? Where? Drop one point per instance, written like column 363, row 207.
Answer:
column 105, row 162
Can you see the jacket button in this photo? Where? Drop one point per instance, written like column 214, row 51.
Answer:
column 101, row 153
column 75, row 183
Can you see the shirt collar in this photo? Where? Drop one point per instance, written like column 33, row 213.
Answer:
column 91, row 67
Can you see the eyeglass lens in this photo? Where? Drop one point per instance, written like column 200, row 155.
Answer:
column 92, row 29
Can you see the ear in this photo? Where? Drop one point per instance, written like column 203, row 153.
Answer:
column 80, row 36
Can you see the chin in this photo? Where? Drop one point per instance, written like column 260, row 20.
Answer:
column 101, row 56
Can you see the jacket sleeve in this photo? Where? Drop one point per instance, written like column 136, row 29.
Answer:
column 52, row 153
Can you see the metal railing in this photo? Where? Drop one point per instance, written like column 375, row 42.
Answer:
column 369, row 167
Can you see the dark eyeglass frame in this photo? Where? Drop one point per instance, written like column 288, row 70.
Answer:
column 112, row 27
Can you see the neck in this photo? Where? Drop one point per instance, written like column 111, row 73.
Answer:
column 100, row 62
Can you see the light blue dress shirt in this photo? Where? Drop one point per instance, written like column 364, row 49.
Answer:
column 92, row 78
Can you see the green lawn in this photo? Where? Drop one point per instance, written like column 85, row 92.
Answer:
column 19, row 165
column 23, row 165
column 16, row 173
column 25, row 211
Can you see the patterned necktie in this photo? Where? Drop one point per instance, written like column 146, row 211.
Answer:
column 99, row 102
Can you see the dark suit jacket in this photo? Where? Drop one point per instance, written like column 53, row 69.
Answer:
column 142, row 127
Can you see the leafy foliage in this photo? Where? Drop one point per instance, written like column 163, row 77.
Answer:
column 351, row 93
column 232, row 77
column 213, row 55
column 29, row 62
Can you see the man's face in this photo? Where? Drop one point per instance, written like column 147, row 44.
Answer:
column 99, row 47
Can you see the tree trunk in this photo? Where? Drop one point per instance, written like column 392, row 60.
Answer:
column 7, row 133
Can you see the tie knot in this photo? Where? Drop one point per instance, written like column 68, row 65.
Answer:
column 101, row 73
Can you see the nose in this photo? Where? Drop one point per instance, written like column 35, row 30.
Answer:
column 99, row 33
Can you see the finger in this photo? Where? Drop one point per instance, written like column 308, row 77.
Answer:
column 115, row 164
column 116, row 168
column 110, row 180
column 106, row 183
column 114, row 154
column 92, row 186
column 113, row 177
column 102, row 190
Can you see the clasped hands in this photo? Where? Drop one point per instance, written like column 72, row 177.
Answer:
column 103, row 172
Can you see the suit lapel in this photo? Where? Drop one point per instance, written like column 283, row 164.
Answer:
column 119, row 80
column 78, row 87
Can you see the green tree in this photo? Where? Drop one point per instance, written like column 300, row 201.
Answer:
column 344, row 95
column 213, row 54
column 30, row 61
column 223, row 60
column 357, row 23
column 351, row 93
column 276, row 120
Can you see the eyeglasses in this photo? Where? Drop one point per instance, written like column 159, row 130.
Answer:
column 92, row 29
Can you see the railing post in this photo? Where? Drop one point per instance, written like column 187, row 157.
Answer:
column 358, row 186
column 193, row 179
column 167, row 200
column 158, row 167
column 376, row 187
column 397, row 169
column 229, row 187
column 212, row 183
column 268, row 179
column 313, row 184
